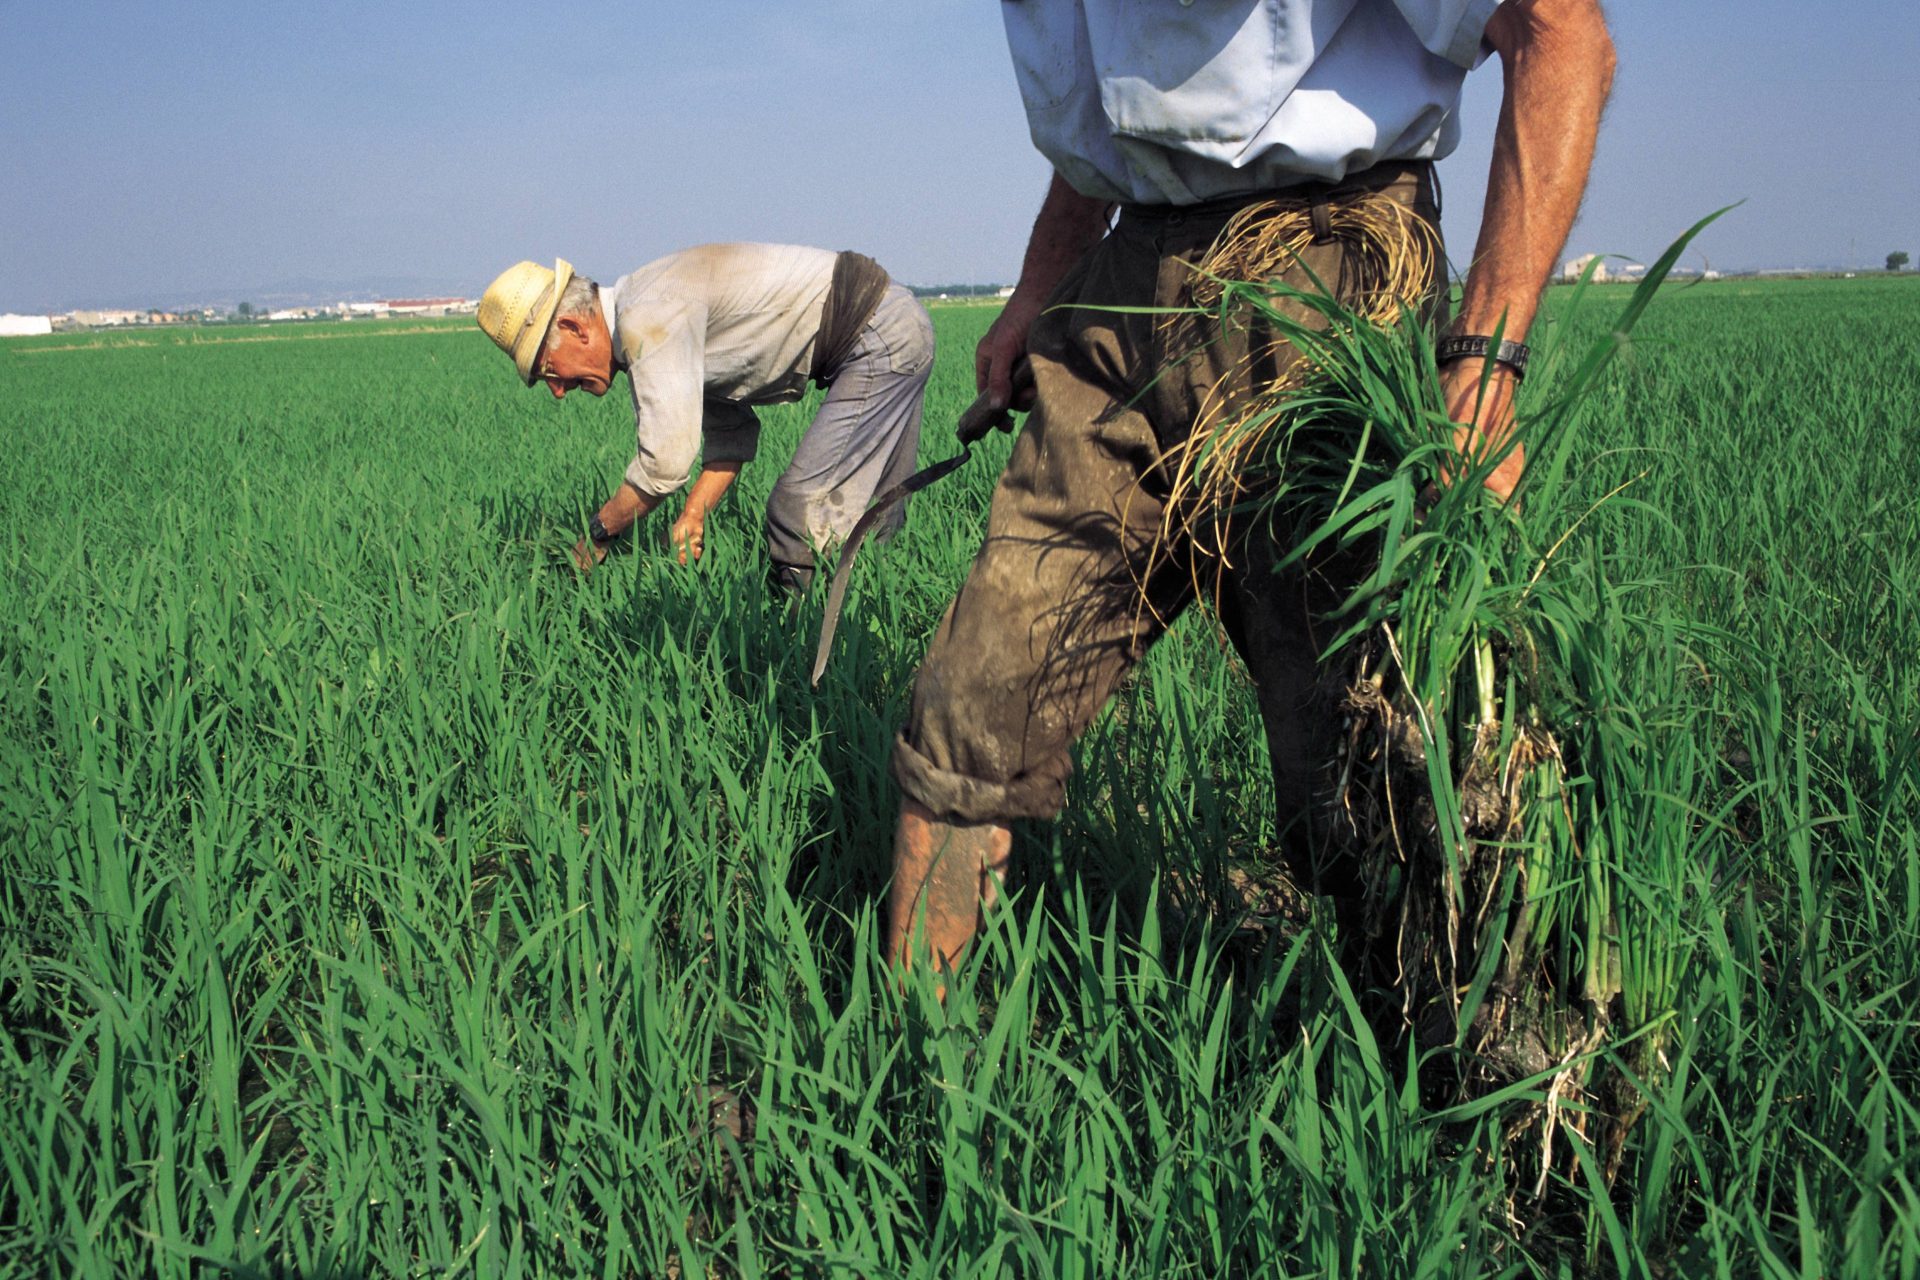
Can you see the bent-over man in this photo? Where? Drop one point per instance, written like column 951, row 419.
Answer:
column 705, row 335
column 1179, row 118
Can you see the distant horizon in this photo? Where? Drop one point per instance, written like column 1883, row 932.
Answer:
column 318, row 293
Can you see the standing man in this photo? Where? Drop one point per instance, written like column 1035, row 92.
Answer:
column 706, row 334
column 1181, row 117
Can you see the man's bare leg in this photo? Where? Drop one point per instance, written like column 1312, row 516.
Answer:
column 944, row 876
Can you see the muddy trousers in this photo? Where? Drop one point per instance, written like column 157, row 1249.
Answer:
column 1081, row 570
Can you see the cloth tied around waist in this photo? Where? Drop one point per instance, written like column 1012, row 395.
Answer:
column 853, row 295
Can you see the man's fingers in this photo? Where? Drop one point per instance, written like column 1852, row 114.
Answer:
column 1024, row 392
column 994, row 360
column 999, row 386
column 686, row 540
column 999, row 382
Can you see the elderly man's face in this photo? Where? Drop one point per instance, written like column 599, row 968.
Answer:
column 578, row 352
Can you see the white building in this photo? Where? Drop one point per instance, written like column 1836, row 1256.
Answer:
column 97, row 319
column 1573, row 268
column 432, row 306
column 12, row 326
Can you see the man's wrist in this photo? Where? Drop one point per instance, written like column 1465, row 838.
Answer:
column 597, row 531
column 1472, row 370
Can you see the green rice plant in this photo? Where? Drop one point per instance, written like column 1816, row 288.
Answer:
column 1516, row 759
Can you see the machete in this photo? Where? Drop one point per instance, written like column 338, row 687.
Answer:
column 975, row 422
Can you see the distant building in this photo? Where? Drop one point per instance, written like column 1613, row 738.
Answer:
column 12, row 326
column 101, row 319
column 1574, row 268
column 431, row 306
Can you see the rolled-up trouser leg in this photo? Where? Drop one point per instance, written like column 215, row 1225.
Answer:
column 865, row 438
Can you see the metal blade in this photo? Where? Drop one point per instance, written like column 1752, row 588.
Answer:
column 843, row 573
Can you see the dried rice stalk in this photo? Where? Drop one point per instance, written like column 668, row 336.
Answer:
column 1387, row 268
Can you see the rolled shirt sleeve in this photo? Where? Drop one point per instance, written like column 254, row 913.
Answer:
column 1450, row 29
column 664, row 345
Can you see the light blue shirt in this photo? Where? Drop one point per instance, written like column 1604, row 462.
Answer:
column 1180, row 101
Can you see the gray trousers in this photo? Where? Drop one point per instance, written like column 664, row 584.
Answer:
column 865, row 438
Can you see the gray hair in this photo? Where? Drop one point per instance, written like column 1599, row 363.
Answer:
column 581, row 297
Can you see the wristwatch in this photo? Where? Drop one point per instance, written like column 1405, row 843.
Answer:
column 597, row 532
column 1472, row 346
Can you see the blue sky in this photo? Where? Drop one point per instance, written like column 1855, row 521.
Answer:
column 161, row 153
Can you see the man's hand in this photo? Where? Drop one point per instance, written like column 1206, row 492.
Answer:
column 1483, row 420
column 1069, row 224
column 1003, row 347
column 687, row 537
column 616, row 515
column 586, row 555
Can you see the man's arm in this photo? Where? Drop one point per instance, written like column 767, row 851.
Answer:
column 1069, row 224
column 666, row 366
column 688, row 535
column 1556, row 62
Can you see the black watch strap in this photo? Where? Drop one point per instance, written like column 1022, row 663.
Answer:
column 597, row 531
column 1474, row 346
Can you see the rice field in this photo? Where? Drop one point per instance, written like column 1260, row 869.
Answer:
column 384, row 899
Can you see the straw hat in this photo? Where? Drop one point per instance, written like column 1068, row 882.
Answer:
column 518, row 307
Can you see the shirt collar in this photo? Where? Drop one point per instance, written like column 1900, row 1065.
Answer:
column 609, row 299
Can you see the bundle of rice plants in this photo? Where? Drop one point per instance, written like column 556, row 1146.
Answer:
column 1492, row 784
